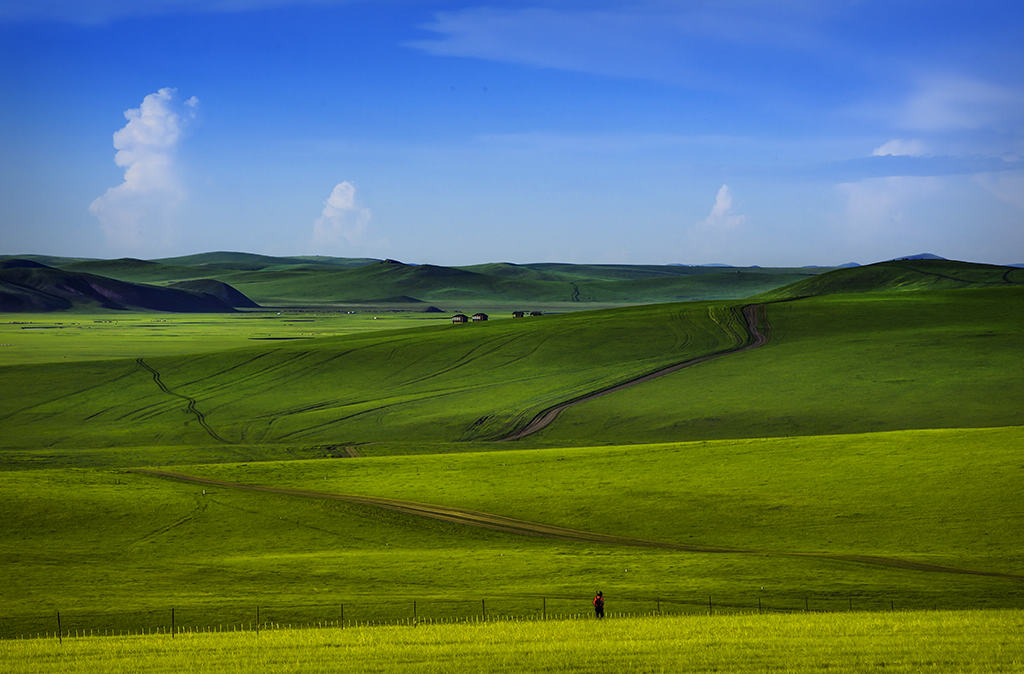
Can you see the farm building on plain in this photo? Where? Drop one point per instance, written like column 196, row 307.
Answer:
column 479, row 317
column 518, row 314
column 460, row 318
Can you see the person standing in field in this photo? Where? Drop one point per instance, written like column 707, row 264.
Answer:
column 599, row 605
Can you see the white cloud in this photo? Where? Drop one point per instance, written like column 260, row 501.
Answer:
column 900, row 148
column 722, row 217
column 715, row 238
column 341, row 221
column 135, row 213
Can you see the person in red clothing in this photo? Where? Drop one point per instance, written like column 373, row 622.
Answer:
column 599, row 605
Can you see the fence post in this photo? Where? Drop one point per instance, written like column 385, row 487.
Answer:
column 60, row 637
column 759, row 604
column 342, row 615
column 172, row 622
column 483, row 608
column 257, row 618
column 709, row 604
column 851, row 603
column 545, row 607
column 806, row 604
column 892, row 605
column 659, row 605
column 414, row 609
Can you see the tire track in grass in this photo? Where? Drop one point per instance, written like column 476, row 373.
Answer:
column 191, row 402
column 510, row 525
column 751, row 312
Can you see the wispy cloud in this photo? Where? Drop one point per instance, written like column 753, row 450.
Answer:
column 342, row 222
column 952, row 102
column 135, row 212
column 898, row 147
column 664, row 41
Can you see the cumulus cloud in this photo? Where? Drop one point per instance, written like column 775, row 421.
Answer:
column 714, row 238
column 722, row 215
column 342, row 221
column 898, row 147
column 135, row 212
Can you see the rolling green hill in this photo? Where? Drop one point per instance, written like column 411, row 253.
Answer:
column 903, row 276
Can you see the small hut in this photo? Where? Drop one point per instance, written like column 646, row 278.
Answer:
column 535, row 313
column 460, row 318
column 479, row 317
column 518, row 314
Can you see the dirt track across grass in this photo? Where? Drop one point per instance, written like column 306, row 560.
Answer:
column 511, row 525
column 751, row 312
column 191, row 402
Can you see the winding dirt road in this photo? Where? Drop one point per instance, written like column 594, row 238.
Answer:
column 751, row 312
column 474, row 518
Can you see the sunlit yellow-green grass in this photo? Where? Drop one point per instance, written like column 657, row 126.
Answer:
column 943, row 641
column 70, row 337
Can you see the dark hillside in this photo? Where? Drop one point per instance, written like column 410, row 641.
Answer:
column 47, row 289
column 222, row 291
column 900, row 275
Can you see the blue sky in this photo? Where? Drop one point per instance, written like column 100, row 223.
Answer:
column 773, row 133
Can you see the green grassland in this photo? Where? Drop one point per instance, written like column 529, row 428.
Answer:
column 440, row 383
column 80, row 336
column 836, row 364
column 868, row 455
column 900, row 642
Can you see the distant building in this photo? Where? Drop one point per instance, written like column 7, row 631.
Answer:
column 460, row 318
column 479, row 317
column 535, row 313
column 518, row 314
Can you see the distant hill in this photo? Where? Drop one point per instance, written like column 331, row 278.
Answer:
column 218, row 289
column 320, row 280
column 252, row 261
column 922, row 256
column 41, row 288
column 900, row 275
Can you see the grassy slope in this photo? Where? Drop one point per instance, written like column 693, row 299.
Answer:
column 903, row 276
column 887, row 494
column 440, row 383
column 837, row 364
column 131, row 542
column 901, row 642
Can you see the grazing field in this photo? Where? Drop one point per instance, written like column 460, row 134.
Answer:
column 867, row 457
column 940, row 641
column 836, row 364
column 68, row 337
column 440, row 382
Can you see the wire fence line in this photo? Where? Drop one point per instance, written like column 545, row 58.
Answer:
column 70, row 623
